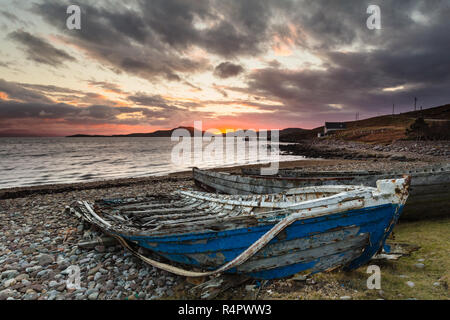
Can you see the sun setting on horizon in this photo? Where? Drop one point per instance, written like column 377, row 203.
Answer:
column 279, row 67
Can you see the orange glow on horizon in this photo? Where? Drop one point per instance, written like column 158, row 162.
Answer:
column 220, row 125
column 3, row 96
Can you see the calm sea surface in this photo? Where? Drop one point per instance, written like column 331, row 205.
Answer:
column 37, row 161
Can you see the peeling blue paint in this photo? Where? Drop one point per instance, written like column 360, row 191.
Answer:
column 377, row 222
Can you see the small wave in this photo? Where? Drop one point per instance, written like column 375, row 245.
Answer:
column 40, row 168
column 150, row 165
column 120, row 161
column 39, row 155
column 93, row 162
column 87, row 176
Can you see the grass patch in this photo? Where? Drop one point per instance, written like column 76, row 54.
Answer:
column 433, row 238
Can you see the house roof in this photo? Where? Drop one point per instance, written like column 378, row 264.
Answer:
column 335, row 125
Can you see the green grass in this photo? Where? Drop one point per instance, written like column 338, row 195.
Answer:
column 433, row 238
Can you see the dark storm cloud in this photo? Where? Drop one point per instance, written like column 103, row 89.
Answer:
column 49, row 89
column 151, row 38
column 27, row 101
column 353, row 89
column 409, row 51
column 35, row 93
column 228, row 69
column 19, row 92
column 230, row 28
column 173, row 21
column 149, row 100
column 154, row 39
column 93, row 114
column 18, row 110
column 122, row 37
column 39, row 50
column 326, row 25
column 175, row 110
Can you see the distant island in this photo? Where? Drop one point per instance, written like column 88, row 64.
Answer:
column 168, row 133
column 158, row 133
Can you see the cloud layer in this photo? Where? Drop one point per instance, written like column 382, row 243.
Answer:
column 39, row 50
column 281, row 63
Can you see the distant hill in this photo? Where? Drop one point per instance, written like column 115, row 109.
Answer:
column 158, row 133
column 289, row 134
column 388, row 128
column 295, row 134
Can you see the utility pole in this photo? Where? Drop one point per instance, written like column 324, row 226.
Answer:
column 415, row 103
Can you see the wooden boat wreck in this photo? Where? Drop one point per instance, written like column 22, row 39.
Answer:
column 428, row 197
column 268, row 236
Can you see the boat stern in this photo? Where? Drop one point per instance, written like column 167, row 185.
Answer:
column 396, row 190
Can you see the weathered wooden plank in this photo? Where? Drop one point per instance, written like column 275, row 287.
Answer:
column 300, row 172
column 213, row 287
column 103, row 241
column 305, row 256
column 240, row 221
column 282, row 248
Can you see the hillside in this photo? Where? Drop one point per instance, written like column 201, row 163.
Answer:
column 389, row 128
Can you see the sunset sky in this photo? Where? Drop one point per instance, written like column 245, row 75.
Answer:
column 260, row 64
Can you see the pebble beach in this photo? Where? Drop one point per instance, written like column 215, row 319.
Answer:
column 39, row 241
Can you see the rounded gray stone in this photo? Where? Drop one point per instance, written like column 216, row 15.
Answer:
column 93, row 296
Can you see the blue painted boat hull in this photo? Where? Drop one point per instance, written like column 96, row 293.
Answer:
column 347, row 239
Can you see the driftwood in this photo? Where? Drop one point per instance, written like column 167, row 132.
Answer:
column 217, row 285
column 103, row 241
column 397, row 250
